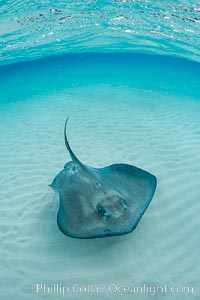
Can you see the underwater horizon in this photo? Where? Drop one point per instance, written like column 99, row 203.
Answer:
column 127, row 74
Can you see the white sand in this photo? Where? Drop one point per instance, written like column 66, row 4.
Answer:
column 154, row 131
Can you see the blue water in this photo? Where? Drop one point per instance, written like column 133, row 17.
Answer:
column 47, row 75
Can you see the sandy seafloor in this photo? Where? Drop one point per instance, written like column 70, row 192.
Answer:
column 153, row 127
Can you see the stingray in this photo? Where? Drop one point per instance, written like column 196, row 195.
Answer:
column 100, row 202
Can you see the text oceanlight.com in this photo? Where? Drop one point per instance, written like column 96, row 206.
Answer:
column 62, row 289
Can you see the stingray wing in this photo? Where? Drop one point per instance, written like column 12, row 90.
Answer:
column 136, row 186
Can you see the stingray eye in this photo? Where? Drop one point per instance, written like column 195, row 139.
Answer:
column 102, row 210
column 123, row 203
column 97, row 184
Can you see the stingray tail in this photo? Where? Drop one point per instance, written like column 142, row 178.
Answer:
column 73, row 156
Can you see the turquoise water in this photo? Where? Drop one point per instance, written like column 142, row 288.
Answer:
column 127, row 73
column 128, row 108
column 33, row 29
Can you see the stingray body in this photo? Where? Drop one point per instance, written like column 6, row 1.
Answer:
column 101, row 202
